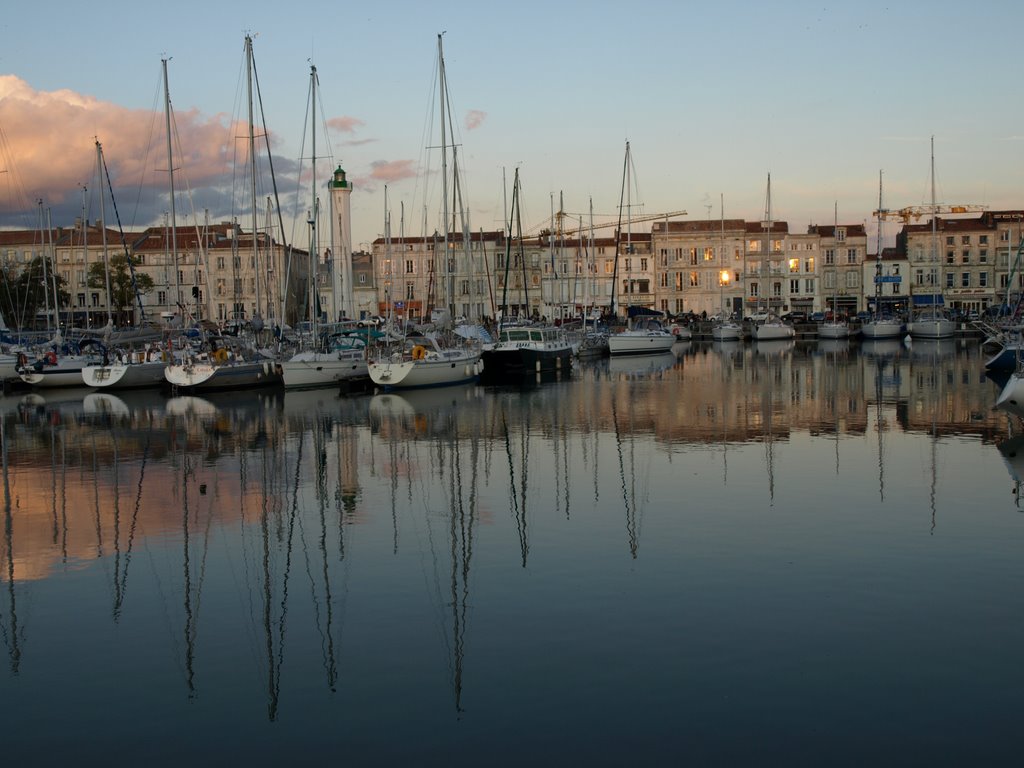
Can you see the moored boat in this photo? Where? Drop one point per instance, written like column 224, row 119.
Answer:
column 422, row 362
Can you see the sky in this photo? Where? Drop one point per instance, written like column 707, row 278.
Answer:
column 712, row 97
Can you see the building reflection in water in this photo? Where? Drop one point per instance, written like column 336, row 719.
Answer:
column 238, row 516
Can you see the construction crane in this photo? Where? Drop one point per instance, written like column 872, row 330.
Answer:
column 916, row 212
column 561, row 216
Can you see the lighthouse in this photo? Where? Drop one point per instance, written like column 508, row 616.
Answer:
column 341, row 245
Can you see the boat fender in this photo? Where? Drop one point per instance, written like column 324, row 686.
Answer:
column 22, row 359
column 419, row 352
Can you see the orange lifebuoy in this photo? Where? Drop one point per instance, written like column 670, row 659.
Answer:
column 419, row 352
column 51, row 358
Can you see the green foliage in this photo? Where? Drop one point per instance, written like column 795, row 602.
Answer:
column 121, row 288
column 23, row 293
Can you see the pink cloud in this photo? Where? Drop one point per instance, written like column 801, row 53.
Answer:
column 392, row 170
column 345, row 124
column 50, row 136
column 474, row 119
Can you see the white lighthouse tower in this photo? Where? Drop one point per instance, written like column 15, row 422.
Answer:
column 341, row 246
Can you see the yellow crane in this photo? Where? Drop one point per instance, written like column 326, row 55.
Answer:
column 916, row 212
column 561, row 216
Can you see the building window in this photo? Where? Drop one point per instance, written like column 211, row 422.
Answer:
column 965, row 239
column 965, row 279
column 410, row 291
column 950, row 256
column 949, row 240
column 851, row 279
column 794, row 265
column 919, row 277
column 966, row 255
column 983, row 239
column 983, row 279
column 983, row 256
column 830, row 280
column 410, row 267
column 830, row 256
column 694, row 279
column 949, row 279
column 840, row 234
column 754, row 291
column 643, row 265
column 809, row 286
column 709, row 254
column 809, row 265
column 794, row 286
column 851, row 255
column 777, row 290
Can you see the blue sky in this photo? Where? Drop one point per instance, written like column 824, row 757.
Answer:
column 712, row 97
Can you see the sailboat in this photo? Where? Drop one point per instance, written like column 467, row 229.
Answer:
column 879, row 325
column 645, row 334
column 932, row 321
column 329, row 361
column 523, row 349
column 128, row 369
column 725, row 329
column 421, row 361
column 221, row 364
column 771, row 327
column 834, row 328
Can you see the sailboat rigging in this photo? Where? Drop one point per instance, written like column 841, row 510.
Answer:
column 645, row 334
column 770, row 327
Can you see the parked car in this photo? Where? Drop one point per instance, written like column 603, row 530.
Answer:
column 863, row 315
column 818, row 317
column 795, row 317
column 373, row 320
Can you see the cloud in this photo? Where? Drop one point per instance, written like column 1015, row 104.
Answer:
column 392, row 170
column 47, row 140
column 474, row 119
column 345, row 124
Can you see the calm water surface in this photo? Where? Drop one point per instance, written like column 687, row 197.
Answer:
column 806, row 554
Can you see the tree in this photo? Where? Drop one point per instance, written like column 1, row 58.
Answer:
column 23, row 293
column 123, row 292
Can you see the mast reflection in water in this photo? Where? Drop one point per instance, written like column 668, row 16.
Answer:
column 731, row 551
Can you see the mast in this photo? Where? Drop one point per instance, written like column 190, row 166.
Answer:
column 170, row 173
column 103, row 231
column 722, row 272
column 618, row 230
column 442, row 86
column 252, row 171
column 314, row 316
column 85, row 249
column 878, row 252
column 935, row 234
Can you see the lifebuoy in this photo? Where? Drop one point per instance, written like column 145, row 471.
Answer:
column 51, row 358
column 221, row 355
column 419, row 352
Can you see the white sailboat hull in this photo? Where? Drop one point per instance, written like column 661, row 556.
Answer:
column 1011, row 398
column 833, row 331
column 726, row 332
column 66, row 373
column 881, row 329
column 933, row 328
column 125, row 375
column 640, row 342
column 208, row 376
column 769, row 331
column 309, row 370
column 448, row 368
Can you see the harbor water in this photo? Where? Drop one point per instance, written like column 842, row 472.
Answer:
column 790, row 553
